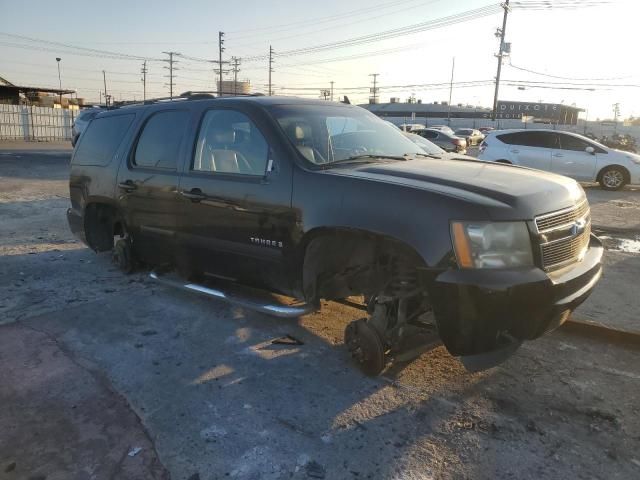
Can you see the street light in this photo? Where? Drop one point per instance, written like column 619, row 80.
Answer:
column 59, row 80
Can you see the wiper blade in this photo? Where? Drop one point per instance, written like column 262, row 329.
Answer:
column 430, row 155
column 364, row 158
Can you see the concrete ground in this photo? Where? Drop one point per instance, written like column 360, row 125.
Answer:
column 98, row 363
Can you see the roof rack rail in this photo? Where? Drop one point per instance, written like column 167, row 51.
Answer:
column 212, row 94
column 189, row 95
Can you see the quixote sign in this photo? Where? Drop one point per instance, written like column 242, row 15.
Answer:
column 508, row 109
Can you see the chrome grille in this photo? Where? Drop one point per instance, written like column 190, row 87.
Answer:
column 564, row 235
column 562, row 218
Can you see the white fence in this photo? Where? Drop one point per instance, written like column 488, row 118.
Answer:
column 27, row 122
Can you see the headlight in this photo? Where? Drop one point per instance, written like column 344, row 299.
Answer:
column 491, row 244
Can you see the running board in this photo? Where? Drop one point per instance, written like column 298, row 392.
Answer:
column 258, row 305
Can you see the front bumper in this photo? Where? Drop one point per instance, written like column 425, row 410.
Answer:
column 482, row 311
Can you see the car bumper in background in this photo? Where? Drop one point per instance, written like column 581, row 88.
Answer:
column 483, row 311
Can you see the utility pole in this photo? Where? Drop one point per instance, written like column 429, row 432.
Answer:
column 59, row 80
column 500, row 33
column 332, row 82
column 171, row 68
column 616, row 114
column 106, row 97
column 144, row 81
column 220, row 50
column 270, row 68
column 236, row 64
column 374, row 89
column 453, row 67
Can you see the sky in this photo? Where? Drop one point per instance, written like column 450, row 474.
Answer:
column 580, row 55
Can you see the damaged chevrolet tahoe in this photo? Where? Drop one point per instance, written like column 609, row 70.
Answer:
column 318, row 200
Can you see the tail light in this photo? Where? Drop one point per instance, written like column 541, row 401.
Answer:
column 457, row 141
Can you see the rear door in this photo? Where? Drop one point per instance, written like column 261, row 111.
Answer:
column 530, row 149
column 236, row 200
column 571, row 159
column 148, row 184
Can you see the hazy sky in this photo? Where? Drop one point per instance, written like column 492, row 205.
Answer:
column 597, row 43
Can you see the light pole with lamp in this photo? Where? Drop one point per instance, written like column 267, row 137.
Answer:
column 59, row 80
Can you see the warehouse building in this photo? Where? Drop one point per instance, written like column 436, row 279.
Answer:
column 510, row 114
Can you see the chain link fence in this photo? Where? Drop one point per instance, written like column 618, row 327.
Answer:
column 32, row 123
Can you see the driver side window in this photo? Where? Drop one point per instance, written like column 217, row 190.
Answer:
column 229, row 142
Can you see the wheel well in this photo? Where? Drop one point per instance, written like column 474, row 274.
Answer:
column 627, row 175
column 101, row 223
column 339, row 263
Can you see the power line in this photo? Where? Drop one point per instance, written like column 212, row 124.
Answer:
column 561, row 77
column 82, row 50
column 393, row 33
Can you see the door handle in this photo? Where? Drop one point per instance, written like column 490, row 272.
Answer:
column 127, row 186
column 558, row 155
column 195, row 195
column 515, row 151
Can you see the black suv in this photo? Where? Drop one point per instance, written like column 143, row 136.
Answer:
column 313, row 199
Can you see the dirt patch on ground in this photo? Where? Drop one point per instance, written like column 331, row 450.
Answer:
column 60, row 420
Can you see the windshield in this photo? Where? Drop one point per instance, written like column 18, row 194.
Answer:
column 324, row 135
column 426, row 145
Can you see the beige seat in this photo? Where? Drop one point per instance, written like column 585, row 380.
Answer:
column 299, row 137
column 218, row 154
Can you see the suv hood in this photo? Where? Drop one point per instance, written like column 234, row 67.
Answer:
column 507, row 192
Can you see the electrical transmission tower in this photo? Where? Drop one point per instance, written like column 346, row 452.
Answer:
column 270, row 68
column 144, row 81
column 235, row 70
column 171, row 69
column 374, row 89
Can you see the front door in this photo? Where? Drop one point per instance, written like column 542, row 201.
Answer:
column 236, row 197
column 571, row 158
column 148, row 185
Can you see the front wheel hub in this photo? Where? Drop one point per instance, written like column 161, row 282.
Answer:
column 365, row 346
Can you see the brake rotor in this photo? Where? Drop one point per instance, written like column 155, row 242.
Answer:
column 365, row 346
column 121, row 256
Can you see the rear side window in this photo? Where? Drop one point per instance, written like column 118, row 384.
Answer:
column 101, row 140
column 159, row 143
column 530, row 139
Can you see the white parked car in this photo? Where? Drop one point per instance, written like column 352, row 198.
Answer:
column 565, row 153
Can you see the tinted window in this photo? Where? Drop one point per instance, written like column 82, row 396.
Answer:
column 530, row 139
column 159, row 143
column 567, row 142
column 229, row 142
column 428, row 134
column 100, row 141
column 465, row 131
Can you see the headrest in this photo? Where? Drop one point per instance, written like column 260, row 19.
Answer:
column 223, row 136
column 298, row 132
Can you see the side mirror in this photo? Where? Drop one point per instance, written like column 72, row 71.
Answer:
column 590, row 150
